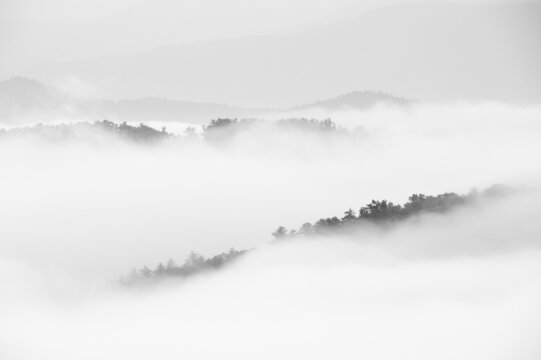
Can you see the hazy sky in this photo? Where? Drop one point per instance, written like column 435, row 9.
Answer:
column 187, row 20
column 301, row 10
column 34, row 31
column 425, row 56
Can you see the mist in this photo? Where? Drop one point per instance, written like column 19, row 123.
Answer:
column 78, row 212
column 288, row 179
column 147, row 203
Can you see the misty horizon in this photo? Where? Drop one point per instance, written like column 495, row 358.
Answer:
column 301, row 179
column 324, row 60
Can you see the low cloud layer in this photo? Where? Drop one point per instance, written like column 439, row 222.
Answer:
column 78, row 214
column 445, row 287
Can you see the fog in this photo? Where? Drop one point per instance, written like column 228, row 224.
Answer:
column 77, row 213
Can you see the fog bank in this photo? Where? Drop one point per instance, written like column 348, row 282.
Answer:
column 79, row 212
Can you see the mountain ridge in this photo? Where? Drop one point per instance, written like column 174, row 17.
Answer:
column 22, row 97
column 415, row 49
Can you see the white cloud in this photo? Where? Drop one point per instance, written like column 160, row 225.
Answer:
column 77, row 215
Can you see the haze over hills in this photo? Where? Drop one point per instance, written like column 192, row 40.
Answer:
column 260, row 171
column 27, row 101
column 19, row 91
column 24, row 100
column 21, row 98
column 359, row 100
column 422, row 50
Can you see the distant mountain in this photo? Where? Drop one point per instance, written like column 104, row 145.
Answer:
column 359, row 100
column 29, row 92
column 428, row 51
column 22, row 99
column 26, row 101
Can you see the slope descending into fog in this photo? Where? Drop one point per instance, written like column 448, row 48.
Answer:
column 423, row 51
column 318, row 299
column 459, row 285
column 377, row 214
column 152, row 203
column 20, row 97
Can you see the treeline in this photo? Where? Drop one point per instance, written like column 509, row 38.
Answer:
column 379, row 213
column 140, row 132
column 217, row 130
column 296, row 123
column 193, row 264
column 61, row 132
column 221, row 130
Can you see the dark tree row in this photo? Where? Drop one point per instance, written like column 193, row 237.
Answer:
column 378, row 213
column 298, row 123
column 140, row 133
column 220, row 130
column 217, row 130
column 314, row 125
column 193, row 264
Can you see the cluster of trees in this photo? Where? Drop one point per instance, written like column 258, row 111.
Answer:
column 217, row 130
column 193, row 264
column 224, row 123
column 223, row 128
column 300, row 123
column 377, row 213
column 140, row 133
column 314, row 125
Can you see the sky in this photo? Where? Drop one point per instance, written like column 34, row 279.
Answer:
column 158, row 23
column 85, row 10
column 221, row 52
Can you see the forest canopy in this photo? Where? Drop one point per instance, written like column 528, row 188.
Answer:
column 379, row 213
column 217, row 131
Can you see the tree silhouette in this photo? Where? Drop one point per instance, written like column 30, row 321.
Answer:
column 349, row 215
column 377, row 213
column 280, row 233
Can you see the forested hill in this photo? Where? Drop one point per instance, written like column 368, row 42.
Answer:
column 381, row 214
column 377, row 212
column 90, row 131
column 217, row 130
